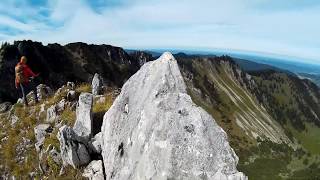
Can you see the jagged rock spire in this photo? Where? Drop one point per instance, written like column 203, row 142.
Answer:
column 154, row 131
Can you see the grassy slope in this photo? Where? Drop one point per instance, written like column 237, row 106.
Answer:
column 25, row 128
column 258, row 159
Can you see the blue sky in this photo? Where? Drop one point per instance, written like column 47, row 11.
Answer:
column 286, row 27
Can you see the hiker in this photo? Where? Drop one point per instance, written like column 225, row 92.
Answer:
column 23, row 77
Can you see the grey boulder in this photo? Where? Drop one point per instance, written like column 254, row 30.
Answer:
column 43, row 91
column 40, row 132
column 96, row 84
column 83, row 124
column 153, row 130
column 72, row 152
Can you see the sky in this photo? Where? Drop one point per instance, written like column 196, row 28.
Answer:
column 284, row 27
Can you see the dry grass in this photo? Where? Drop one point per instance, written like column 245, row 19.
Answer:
column 56, row 98
column 68, row 117
column 83, row 87
column 103, row 106
column 52, row 139
column 28, row 119
column 23, row 128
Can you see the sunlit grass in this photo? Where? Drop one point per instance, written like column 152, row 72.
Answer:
column 83, row 87
column 68, row 117
column 102, row 106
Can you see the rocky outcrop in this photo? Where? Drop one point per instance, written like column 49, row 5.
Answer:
column 71, row 85
column 154, row 131
column 40, row 132
column 73, row 153
column 52, row 114
column 96, row 84
column 71, row 95
column 4, row 107
column 74, row 142
column 83, row 124
column 142, row 57
column 43, row 91
column 59, row 64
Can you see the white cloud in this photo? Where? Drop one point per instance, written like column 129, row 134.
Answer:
column 12, row 23
column 230, row 24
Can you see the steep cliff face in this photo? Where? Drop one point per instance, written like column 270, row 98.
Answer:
column 153, row 130
column 271, row 117
column 289, row 99
column 220, row 86
column 76, row 62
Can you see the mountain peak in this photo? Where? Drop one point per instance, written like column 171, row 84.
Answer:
column 153, row 130
column 167, row 56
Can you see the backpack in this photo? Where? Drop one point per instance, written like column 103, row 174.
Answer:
column 19, row 74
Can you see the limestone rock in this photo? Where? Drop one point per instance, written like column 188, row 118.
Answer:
column 95, row 143
column 83, row 154
column 72, row 152
column 61, row 105
column 40, row 132
column 153, row 130
column 42, row 113
column 96, row 84
column 94, row 171
column 14, row 119
column 52, row 114
column 4, row 107
column 83, row 124
column 43, row 91
column 71, row 95
column 71, row 85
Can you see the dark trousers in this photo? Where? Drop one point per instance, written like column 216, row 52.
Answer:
column 25, row 89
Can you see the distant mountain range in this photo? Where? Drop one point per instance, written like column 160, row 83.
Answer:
column 254, row 62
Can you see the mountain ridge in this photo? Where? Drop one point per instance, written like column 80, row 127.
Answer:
column 270, row 117
column 72, row 62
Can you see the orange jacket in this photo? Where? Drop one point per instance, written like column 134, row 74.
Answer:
column 27, row 73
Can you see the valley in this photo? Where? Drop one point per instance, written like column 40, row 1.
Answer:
column 271, row 116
